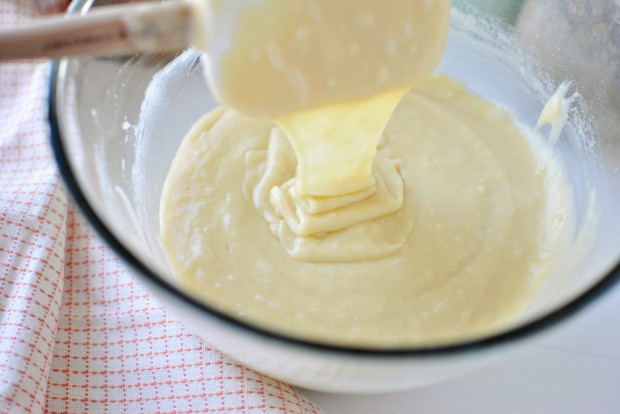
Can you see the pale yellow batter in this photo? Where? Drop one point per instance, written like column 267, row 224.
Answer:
column 467, row 215
column 315, row 220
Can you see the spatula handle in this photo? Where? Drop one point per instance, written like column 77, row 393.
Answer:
column 122, row 29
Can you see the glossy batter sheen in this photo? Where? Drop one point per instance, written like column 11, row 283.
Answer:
column 466, row 216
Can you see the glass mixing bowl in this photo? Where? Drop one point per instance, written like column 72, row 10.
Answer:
column 117, row 122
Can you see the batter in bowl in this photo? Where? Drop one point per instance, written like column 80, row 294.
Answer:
column 444, row 235
column 482, row 218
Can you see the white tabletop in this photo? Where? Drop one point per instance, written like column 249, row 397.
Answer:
column 574, row 369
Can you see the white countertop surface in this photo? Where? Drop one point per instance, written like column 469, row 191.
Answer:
column 573, row 369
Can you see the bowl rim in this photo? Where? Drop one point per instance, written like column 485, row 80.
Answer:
column 521, row 332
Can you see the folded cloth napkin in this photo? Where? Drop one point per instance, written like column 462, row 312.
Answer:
column 77, row 332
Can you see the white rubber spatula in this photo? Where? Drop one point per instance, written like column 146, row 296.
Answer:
column 107, row 30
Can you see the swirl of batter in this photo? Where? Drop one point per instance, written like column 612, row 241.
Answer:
column 345, row 228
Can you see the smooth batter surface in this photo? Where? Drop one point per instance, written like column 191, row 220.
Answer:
column 470, row 217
